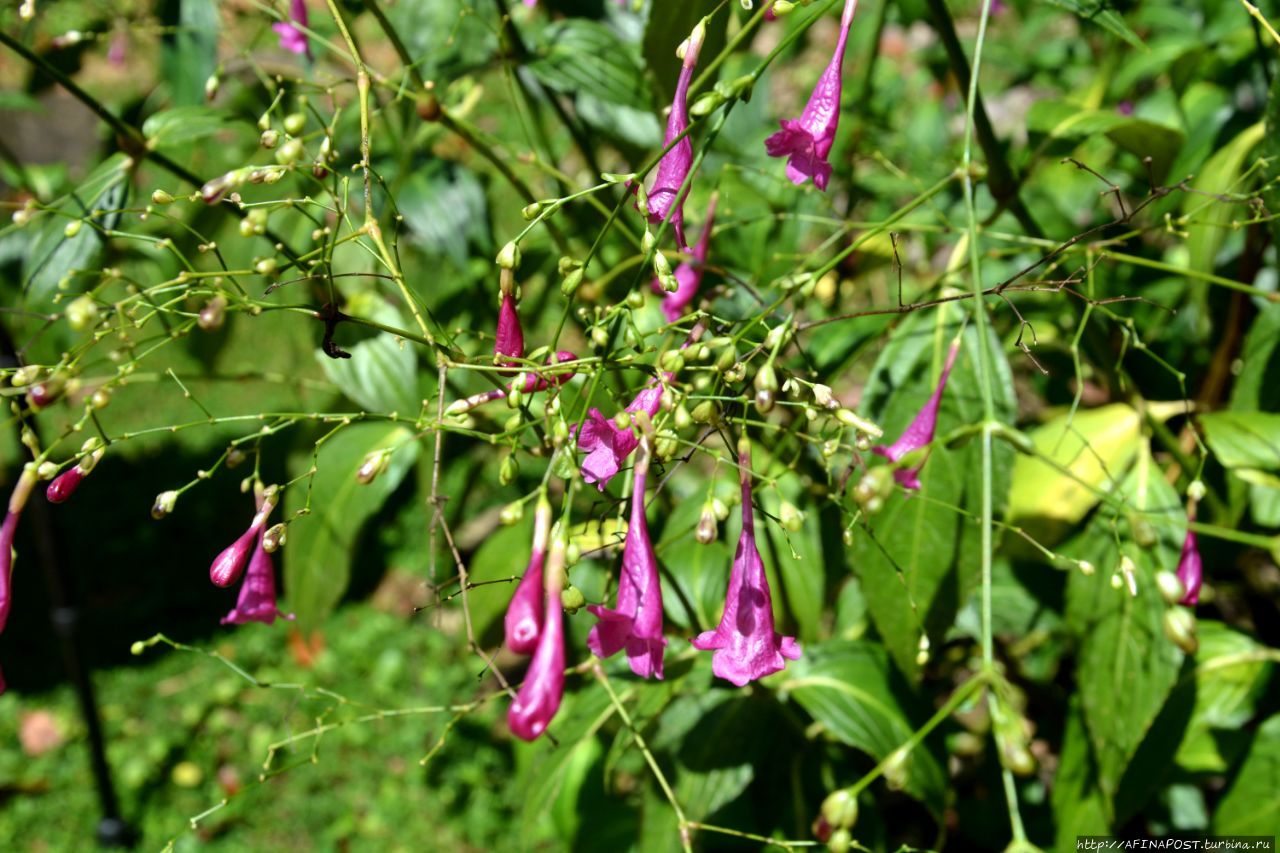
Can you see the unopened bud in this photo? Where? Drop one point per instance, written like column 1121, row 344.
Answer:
column 164, row 504
column 706, row 532
column 661, row 266
column 273, row 540
column 1180, row 628
column 512, row 513
column 840, row 809
column 1195, row 491
column 509, row 471
column 841, row 841
column 530, row 211
column 508, row 256
column 572, row 279
column 672, row 361
column 64, row 485
column 269, row 139
column 375, row 462
column 1171, row 588
column 82, row 312
column 213, row 314
column 850, row 419
column 705, row 412
column 822, row 396
column 294, row 123
column 572, row 599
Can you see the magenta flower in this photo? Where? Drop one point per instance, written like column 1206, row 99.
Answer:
column 230, row 564
column 920, row 433
column 606, row 445
column 257, row 600
column 745, row 643
column 525, row 613
column 637, row 623
column 509, row 339
column 689, row 274
column 666, row 198
column 1190, row 568
column 293, row 39
column 543, row 688
column 806, row 141
column 17, row 500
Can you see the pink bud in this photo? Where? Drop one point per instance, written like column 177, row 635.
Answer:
column 229, row 565
column 64, row 485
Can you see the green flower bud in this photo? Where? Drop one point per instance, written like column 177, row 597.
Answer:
column 164, row 504
column 273, row 540
column 841, row 841
column 636, row 299
column 571, row 281
column 572, row 599
column 1180, row 628
column 508, row 256
column 291, row 152
column 269, row 139
column 840, row 809
column 294, row 123
column 791, row 517
column 672, row 360
column 1171, row 588
column 509, row 470
column 512, row 513
column 161, row 197
column 706, row 532
column 82, row 312
column 706, row 412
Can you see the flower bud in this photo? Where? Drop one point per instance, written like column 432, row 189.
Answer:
column 1195, row 491
column 294, row 123
column 572, row 599
column 1171, row 588
column 512, row 513
column 273, row 540
column 64, row 485
column 635, row 299
column 375, row 462
column 1180, row 628
column 1144, row 534
column 705, row 412
column 508, row 256
column 848, row 418
column 791, row 517
column 841, row 840
column 572, row 279
column 782, row 7
column 666, row 445
column 896, row 772
column 720, row 508
column 661, row 266
column 266, row 266
column 45, row 393
column 672, row 361
column 706, row 532
column 736, row 373
column 82, row 312
column 213, row 313
column 270, row 139
column 840, row 809
column 509, row 471
column 822, row 396
column 164, row 504
column 291, row 152
column 73, row 228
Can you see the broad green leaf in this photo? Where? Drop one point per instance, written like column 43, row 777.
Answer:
column 1060, row 119
column 702, row 575
column 1095, row 446
column 1209, row 218
column 381, row 375
column 184, row 125
column 1257, row 388
column 579, row 55
column 1244, row 439
column 321, row 546
column 851, row 688
column 445, row 208
column 1271, row 147
column 1126, row 666
column 1097, row 12
column 1251, row 805
column 503, row 554
column 1079, row 805
column 1231, row 674
column 917, row 559
column 190, row 53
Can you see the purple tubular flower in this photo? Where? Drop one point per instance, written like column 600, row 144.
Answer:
column 636, row 624
column 666, row 198
column 526, row 612
column 806, row 141
column 293, row 39
column 257, row 600
column 746, row 645
column 688, row 274
column 606, row 445
column 1190, row 568
column 230, row 564
column 920, row 433
column 509, row 339
column 543, row 688
column 64, row 485
column 17, row 500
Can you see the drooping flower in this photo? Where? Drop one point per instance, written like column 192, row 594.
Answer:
column 257, row 599
column 607, row 445
column 539, row 697
column 509, row 338
column 534, row 380
column 806, row 141
column 525, row 613
column 667, row 193
column 17, row 500
column 746, row 645
column 292, row 38
column 230, row 564
column 688, row 274
column 920, row 433
column 636, row 624
column 66, row 483
column 1190, row 567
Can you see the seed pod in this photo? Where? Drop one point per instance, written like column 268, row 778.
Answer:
column 705, row 412
column 164, row 504
column 572, row 599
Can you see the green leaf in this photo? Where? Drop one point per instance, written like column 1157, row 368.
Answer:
column 1210, row 218
column 1271, row 147
column 1079, row 805
column 321, row 546
column 851, row 688
column 1126, row 666
column 1098, row 13
column 1258, row 385
column 183, row 125
column 1061, row 119
column 381, row 375
column 1244, row 439
column 190, row 55
column 445, row 208
column 702, row 575
column 582, row 56
column 916, row 559
column 1251, row 805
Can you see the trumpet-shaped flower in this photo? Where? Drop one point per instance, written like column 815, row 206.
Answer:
column 292, row 38
column 257, row 599
column 636, row 624
column 17, row 501
column 539, row 697
column 509, row 340
column 667, row 193
column 688, row 274
column 806, row 141
column 525, row 613
column 745, row 643
column 920, row 433
column 1190, row 567
column 230, row 564
column 606, row 445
